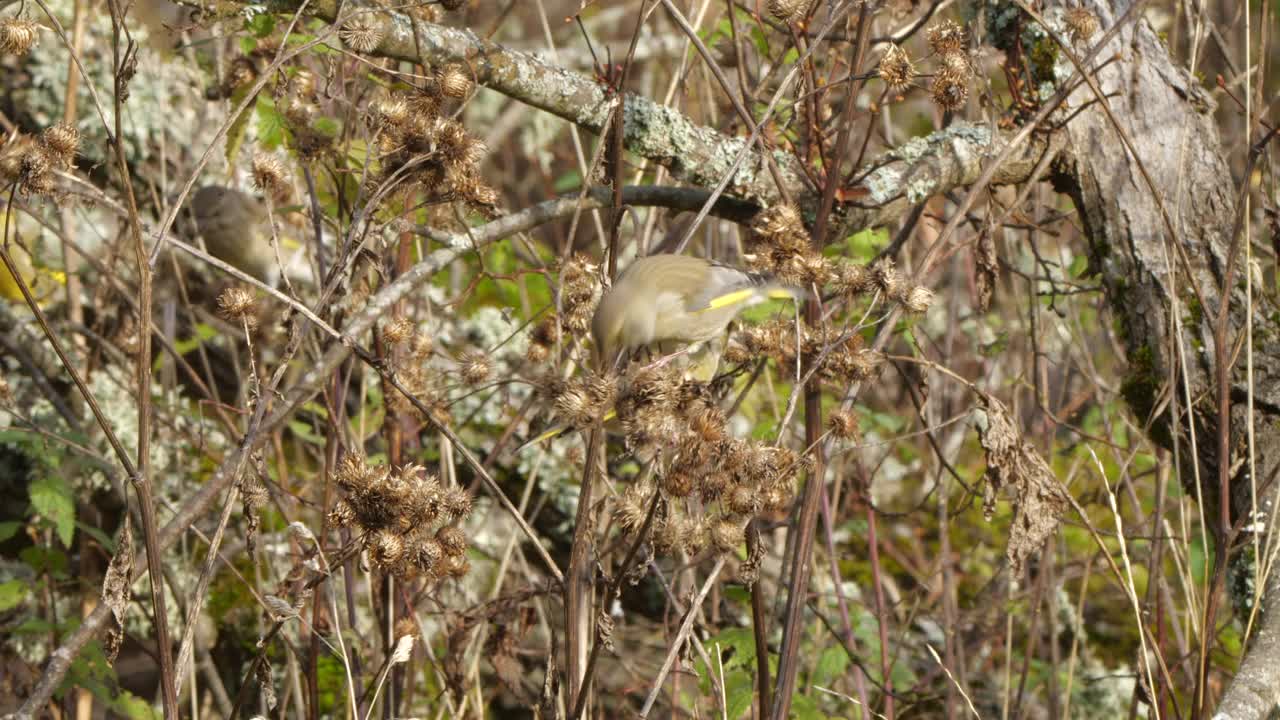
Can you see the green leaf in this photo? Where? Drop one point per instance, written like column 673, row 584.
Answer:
column 571, row 180
column 864, row 245
column 203, row 332
column 134, row 707
column 9, row 529
column 270, row 124
column 42, row 558
column 261, row 25
column 52, row 500
column 12, row 594
column 831, row 664
column 739, row 691
column 106, row 542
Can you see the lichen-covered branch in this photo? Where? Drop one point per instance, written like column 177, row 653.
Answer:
column 695, row 154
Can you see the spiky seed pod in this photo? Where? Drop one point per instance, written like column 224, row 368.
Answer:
column 742, row 500
column 18, row 36
column 35, row 171
column 389, row 113
column 1081, row 24
column 918, row 299
column 537, row 353
column 427, row 555
column 452, row 540
column 397, row 330
column 270, row 175
column 385, row 548
column 454, row 81
column 62, row 140
column 708, row 424
column 475, row 367
column 778, row 221
column 947, row 37
column 634, row 505
column 456, row 502
column 852, row 279
column 788, row 11
column 950, row 88
column 776, row 499
column 843, row 424
column 342, row 514
column 712, row 485
column 888, row 277
column 421, row 347
column 482, row 194
column 361, row 33
column 573, row 406
column 669, row 535
column 896, row 69
column 457, row 566
column 237, row 304
column 726, row 533
column 678, row 482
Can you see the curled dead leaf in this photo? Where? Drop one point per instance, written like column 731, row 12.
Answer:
column 1038, row 498
column 116, row 587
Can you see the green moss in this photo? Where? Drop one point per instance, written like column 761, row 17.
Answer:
column 1140, row 388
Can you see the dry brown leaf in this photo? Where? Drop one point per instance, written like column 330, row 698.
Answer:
column 116, row 588
column 984, row 257
column 1038, row 498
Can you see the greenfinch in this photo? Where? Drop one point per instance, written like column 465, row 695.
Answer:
column 236, row 229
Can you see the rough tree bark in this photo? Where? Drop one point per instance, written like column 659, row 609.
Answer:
column 1163, row 272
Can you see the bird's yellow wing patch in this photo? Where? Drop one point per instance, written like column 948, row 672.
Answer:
column 728, row 299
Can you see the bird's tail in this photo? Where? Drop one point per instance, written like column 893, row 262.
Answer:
column 558, row 430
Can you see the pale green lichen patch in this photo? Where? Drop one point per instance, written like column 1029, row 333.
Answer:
column 903, row 172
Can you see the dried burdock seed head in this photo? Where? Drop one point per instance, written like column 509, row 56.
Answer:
column 475, row 367
column 18, row 36
column 788, row 11
column 237, row 304
column 397, row 330
column 843, row 424
column 778, row 221
column 456, row 566
column 712, row 485
column 35, row 171
column 743, row 501
column 427, row 555
column 677, row 482
column 537, row 353
column 888, row 277
column 546, row 332
column 776, row 498
column 896, row 69
column 353, row 474
column 708, row 424
column 342, row 514
column 62, row 140
column 574, row 407
column 727, row 533
column 852, row 279
column 454, row 81
column 950, row 88
column 421, row 347
column 482, row 194
column 456, row 502
column 947, row 37
column 1081, row 24
column 385, row 548
column 270, row 175
column 361, row 33
column 918, row 300
column 634, row 505
column 452, row 540
column 389, row 113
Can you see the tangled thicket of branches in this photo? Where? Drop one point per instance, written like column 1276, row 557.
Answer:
column 288, row 287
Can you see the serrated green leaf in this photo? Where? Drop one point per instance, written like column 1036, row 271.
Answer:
column 51, row 499
column 270, row 125
column 261, row 25
column 12, row 594
column 739, row 692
